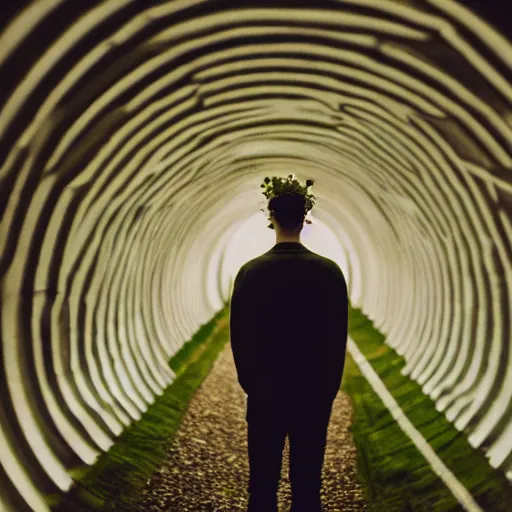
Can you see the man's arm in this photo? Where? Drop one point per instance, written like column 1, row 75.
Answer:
column 338, row 330
column 239, row 325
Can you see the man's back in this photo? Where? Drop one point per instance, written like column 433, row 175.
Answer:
column 294, row 308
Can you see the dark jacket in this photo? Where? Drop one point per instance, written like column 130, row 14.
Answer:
column 288, row 323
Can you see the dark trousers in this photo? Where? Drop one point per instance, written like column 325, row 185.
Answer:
column 269, row 421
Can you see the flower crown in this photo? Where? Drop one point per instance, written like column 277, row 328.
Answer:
column 289, row 186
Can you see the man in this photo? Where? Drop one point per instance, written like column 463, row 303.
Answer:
column 288, row 323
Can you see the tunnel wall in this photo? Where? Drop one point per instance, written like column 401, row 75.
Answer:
column 130, row 135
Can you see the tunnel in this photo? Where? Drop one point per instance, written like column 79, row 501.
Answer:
column 134, row 136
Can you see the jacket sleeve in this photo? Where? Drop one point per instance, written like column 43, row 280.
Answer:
column 337, row 333
column 239, row 326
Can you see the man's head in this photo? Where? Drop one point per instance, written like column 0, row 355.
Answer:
column 289, row 202
column 287, row 213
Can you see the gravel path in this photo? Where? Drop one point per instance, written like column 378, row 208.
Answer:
column 206, row 468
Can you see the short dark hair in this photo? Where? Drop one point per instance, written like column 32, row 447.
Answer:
column 289, row 210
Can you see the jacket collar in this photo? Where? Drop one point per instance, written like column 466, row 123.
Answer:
column 288, row 246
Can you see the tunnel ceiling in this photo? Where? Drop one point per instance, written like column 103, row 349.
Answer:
column 134, row 134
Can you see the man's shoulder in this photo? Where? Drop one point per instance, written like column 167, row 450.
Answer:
column 312, row 258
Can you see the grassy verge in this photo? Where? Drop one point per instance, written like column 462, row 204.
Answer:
column 115, row 480
column 394, row 472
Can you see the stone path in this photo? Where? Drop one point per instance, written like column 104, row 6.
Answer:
column 206, row 469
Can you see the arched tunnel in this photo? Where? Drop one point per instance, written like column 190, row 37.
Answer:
column 134, row 136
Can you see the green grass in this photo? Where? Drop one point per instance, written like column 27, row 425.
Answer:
column 394, row 474
column 392, row 469
column 115, row 480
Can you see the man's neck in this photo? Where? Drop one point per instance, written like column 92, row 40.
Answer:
column 288, row 238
